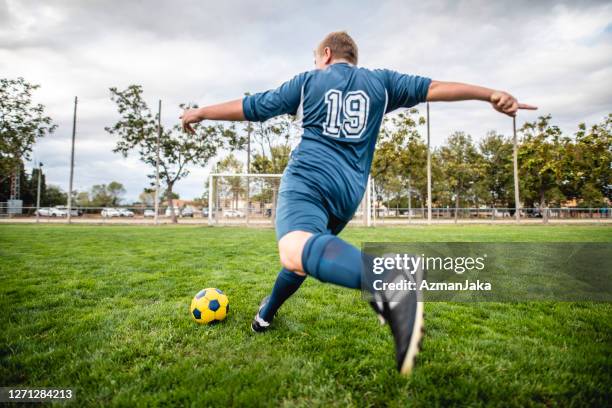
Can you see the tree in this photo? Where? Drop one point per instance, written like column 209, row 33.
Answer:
column 99, row 196
column 115, row 191
column 21, row 123
column 400, row 160
column 384, row 163
column 541, row 168
column 589, row 164
column 103, row 195
column 28, row 186
column 168, row 195
column 147, row 197
column 54, row 195
column 460, row 161
column 137, row 130
column 31, row 190
column 274, row 163
column 272, row 140
column 413, row 156
column 233, row 186
column 497, row 178
column 272, row 144
column 82, row 199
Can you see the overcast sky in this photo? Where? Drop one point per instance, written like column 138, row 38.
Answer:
column 557, row 55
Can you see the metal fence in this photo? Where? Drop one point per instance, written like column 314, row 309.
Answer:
column 382, row 216
column 227, row 213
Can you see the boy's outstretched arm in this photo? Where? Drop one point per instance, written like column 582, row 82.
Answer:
column 231, row 110
column 256, row 108
column 455, row 91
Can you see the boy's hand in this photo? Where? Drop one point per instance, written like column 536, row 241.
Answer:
column 231, row 110
column 505, row 103
column 189, row 117
column 456, row 91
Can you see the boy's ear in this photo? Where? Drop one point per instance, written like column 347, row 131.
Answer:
column 327, row 54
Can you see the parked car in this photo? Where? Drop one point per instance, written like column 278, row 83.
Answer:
column 205, row 212
column 233, row 214
column 177, row 211
column 73, row 211
column 124, row 212
column 149, row 213
column 187, row 212
column 501, row 214
column 50, row 212
column 110, row 212
column 43, row 212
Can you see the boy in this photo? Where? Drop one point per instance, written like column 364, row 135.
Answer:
column 341, row 107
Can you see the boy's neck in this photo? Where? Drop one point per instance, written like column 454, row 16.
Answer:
column 339, row 61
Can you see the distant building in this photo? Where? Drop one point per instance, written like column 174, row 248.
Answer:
column 177, row 202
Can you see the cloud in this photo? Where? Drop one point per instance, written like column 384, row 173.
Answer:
column 557, row 55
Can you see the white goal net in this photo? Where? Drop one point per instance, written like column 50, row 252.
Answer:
column 252, row 199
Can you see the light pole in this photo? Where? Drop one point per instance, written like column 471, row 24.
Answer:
column 155, row 219
column 68, row 216
column 517, row 210
column 38, row 192
column 428, row 170
column 248, row 192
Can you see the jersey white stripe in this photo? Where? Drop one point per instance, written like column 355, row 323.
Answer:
column 299, row 115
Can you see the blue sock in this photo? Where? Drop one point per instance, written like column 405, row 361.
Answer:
column 330, row 259
column 286, row 284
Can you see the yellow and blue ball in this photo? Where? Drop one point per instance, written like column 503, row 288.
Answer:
column 209, row 305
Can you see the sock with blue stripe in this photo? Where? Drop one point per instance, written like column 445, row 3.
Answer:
column 330, row 259
column 287, row 283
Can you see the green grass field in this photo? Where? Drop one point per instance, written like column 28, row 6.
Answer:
column 104, row 310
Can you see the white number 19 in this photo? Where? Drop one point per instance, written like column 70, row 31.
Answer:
column 355, row 108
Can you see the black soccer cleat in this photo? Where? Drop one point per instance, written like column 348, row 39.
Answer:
column 404, row 313
column 406, row 322
column 259, row 325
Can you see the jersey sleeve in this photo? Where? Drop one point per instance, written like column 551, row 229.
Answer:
column 283, row 100
column 404, row 91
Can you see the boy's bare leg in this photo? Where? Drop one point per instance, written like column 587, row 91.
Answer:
column 290, row 248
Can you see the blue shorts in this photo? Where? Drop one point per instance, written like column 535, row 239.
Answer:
column 297, row 211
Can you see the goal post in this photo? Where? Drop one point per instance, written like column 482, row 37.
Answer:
column 364, row 215
column 251, row 198
column 236, row 198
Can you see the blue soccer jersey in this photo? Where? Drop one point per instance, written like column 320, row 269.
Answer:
column 341, row 109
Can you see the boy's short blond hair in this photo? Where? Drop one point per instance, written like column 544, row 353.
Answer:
column 341, row 45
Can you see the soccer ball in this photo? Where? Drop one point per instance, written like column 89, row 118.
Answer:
column 209, row 305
